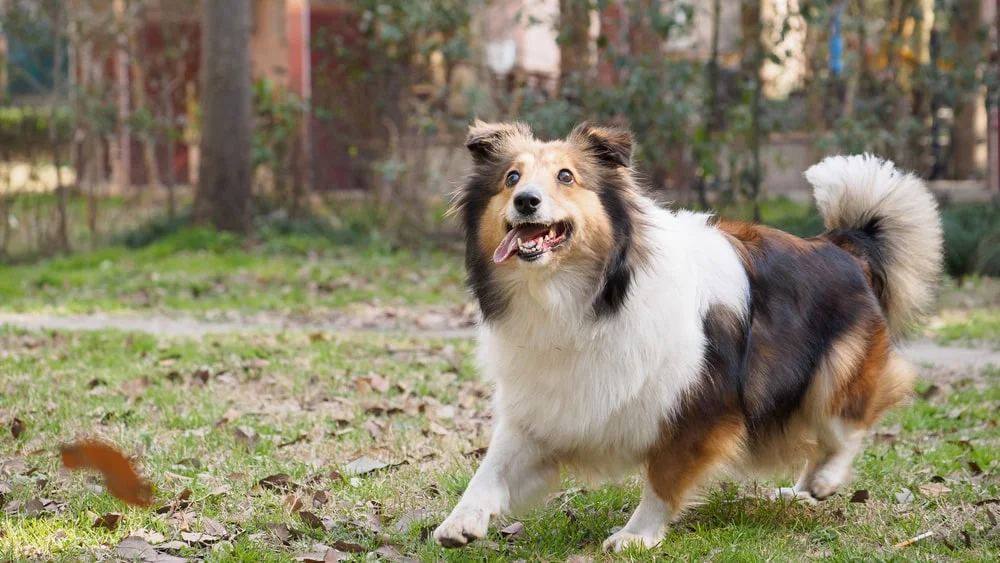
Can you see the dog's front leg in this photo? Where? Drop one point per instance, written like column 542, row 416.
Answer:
column 513, row 474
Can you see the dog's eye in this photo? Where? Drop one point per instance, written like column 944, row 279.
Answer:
column 565, row 176
column 513, row 177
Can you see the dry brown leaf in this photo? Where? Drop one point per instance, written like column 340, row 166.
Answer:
column 17, row 427
column 136, row 386
column 350, row 547
column 860, row 496
column 133, row 548
column 315, row 522
column 214, row 527
column 513, row 532
column 108, row 521
column 246, row 436
column 293, row 503
column 933, row 489
column 904, row 497
column 579, row 559
column 374, row 429
column 230, row 415
column 120, row 478
column 277, row 482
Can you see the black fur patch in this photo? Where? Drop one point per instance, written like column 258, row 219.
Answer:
column 864, row 244
column 470, row 203
column 616, row 281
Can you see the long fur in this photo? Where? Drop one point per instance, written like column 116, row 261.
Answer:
column 678, row 343
column 867, row 194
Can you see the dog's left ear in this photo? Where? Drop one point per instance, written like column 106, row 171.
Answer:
column 615, row 146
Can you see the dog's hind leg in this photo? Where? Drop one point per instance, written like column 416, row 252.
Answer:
column 864, row 394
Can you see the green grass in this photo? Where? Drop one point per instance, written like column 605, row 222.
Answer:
column 301, row 395
column 198, row 271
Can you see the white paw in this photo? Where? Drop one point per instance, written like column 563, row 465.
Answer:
column 794, row 495
column 826, row 482
column 462, row 526
column 621, row 540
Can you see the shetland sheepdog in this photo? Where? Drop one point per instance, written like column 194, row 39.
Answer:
column 621, row 336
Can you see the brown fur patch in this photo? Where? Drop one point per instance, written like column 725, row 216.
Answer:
column 690, row 452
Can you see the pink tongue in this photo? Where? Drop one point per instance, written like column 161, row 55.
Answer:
column 508, row 246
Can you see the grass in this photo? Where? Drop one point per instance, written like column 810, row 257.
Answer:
column 315, row 402
column 198, row 271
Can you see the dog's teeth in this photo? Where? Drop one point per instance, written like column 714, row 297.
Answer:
column 552, row 232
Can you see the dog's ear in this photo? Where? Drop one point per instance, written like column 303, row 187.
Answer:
column 614, row 146
column 486, row 140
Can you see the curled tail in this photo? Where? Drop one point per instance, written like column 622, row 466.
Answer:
column 865, row 197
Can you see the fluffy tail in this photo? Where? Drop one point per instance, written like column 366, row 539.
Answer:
column 896, row 212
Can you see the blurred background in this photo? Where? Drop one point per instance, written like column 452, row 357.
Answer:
column 305, row 125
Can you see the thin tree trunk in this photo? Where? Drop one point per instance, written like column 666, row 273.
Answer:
column 753, row 53
column 963, row 136
column 62, row 230
column 225, row 175
column 121, row 140
column 574, row 51
column 140, row 104
column 711, row 105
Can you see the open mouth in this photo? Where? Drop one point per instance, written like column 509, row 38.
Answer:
column 529, row 241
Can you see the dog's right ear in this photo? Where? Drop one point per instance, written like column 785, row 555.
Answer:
column 486, row 140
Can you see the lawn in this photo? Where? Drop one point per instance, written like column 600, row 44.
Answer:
column 221, row 416
column 197, row 272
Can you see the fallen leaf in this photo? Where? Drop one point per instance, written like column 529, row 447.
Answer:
column 277, row 482
column 214, row 527
column 579, row 559
column 191, row 462
column 284, row 533
column 350, row 547
column 17, row 427
column 904, row 497
column 315, row 522
column 179, row 503
column 406, row 521
column 975, row 468
column 364, row 464
column 150, row 537
column 136, row 548
column 446, row 412
column 293, row 503
column 320, row 498
column 933, row 489
column 136, row 386
column 198, row 538
column 374, row 429
column 986, row 501
column 246, row 436
column 860, row 496
column 120, row 478
column 108, row 521
column 230, row 415
column 300, row 438
column 513, row 532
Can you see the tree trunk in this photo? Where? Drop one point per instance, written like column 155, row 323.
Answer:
column 62, row 230
column 224, row 176
column 139, row 104
column 753, row 60
column 963, row 136
column 711, row 108
column 574, row 41
column 121, row 140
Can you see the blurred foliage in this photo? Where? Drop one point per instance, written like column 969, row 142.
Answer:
column 25, row 130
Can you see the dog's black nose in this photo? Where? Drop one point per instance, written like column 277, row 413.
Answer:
column 528, row 201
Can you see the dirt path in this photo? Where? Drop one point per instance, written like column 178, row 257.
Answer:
column 437, row 325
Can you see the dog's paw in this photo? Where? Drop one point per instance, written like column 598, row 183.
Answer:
column 621, row 540
column 826, row 482
column 464, row 525
column 794, row 495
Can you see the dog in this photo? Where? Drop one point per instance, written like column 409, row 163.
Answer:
column 622, row 336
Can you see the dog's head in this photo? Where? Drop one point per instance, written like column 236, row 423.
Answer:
column 532, row 208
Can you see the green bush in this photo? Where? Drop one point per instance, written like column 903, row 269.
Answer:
column 971, row 239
